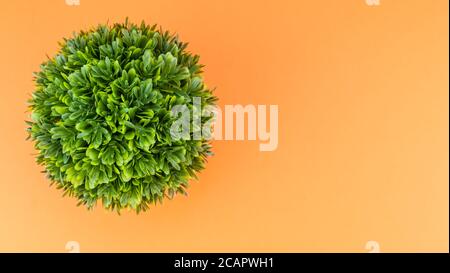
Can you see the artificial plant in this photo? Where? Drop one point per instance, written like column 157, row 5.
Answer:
column 101, row 116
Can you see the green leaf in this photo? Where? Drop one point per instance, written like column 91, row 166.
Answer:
column 129, row 135
column 97, row 139
column 93, row 177
column 92, row 154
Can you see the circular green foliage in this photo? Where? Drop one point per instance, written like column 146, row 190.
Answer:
column 101, row 116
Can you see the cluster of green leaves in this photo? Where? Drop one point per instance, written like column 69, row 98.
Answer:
column 101, row 116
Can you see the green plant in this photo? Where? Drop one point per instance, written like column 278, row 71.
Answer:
column 101, row 116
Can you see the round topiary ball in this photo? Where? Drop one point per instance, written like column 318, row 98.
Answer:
column 101, row 116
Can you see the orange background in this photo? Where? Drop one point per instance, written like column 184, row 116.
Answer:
column 363, row 129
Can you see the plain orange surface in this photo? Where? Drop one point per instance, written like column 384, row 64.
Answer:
column 363, row 129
